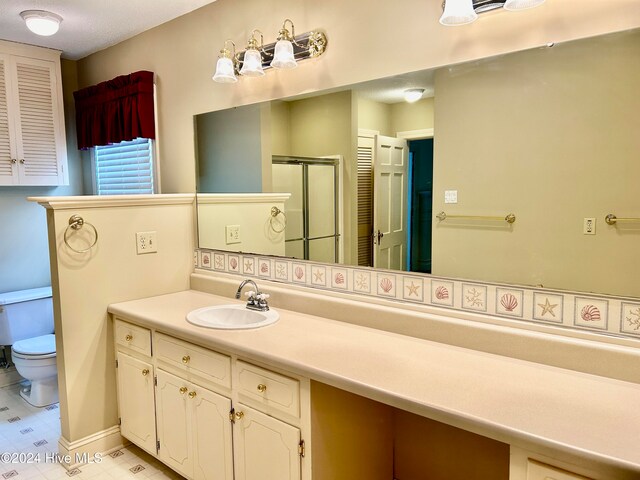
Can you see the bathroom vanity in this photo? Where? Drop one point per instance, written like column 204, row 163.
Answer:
column 309, row 397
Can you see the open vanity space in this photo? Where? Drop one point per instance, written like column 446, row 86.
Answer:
column 309, row 397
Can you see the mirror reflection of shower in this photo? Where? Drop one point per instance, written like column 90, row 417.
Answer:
column 313, row 219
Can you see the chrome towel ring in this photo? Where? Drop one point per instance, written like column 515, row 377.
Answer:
column 275, row 211
column 76, row 222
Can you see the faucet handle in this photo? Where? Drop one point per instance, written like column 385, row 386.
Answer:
column 262, row 296
column 250, row 294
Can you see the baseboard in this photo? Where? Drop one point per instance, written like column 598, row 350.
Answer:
column 89, row 449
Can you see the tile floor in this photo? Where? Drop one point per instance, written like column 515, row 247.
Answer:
column 29, row 440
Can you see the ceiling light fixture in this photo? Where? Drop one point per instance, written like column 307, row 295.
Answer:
column 413, row 94
column 461, row 12
column 258, row 57
column 41, row 22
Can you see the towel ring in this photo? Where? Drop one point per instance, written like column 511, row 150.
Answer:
column 275, row 211
column 75, row 223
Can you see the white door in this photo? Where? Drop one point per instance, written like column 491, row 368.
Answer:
column 173, row 411
column 265, row 448
column 8, row 154
column 135, row 401
column 212, row 447
column 390, row 185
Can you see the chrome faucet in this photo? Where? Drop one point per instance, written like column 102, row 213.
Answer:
column 256, row 300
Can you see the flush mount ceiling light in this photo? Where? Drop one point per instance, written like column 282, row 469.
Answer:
column 41, row 22
column 461, row 12
column 258, row 57
column 413, row 94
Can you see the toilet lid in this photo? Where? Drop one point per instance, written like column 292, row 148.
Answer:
column 42, row 345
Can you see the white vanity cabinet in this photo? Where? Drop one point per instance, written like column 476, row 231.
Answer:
column 32, row 137
column 217, row 417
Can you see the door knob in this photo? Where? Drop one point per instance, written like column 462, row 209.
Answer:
column 128, row 338
column 145, row 372
column 262, row 388
column 192, row 394
column 377, row 236
column 239, row 415
column 186, row 359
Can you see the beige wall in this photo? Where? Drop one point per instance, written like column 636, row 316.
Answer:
column 375, row 116
column 182, row 53
column 412, row 116
column 252, row 214
column 552, row 136
column 85, row 284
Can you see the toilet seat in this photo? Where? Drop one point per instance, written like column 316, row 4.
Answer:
column 40, row 347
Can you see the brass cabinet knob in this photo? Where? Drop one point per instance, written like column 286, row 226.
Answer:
column 128, row 338
column 186, row 359
column 239, row 415
column 183, row 390
column 22, row 160
column 145, row 372
column 262, row 388
column 192, row 394
column 13, row 160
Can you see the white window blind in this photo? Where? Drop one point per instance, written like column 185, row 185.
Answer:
column 125, row 168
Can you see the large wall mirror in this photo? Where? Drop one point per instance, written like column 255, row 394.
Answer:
column 550, row 135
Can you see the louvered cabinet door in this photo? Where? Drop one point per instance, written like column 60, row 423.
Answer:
column 8, row 162
column 39, row 122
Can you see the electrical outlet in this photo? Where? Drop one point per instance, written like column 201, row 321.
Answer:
column 146, row 242
column 232, row 234
column 589, row 226
column 450, row 196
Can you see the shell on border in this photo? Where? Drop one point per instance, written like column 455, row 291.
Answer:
column 299, row 272
column 338, row 279
column 233, row 263
column 386, row 285
column 590, row 313
column 206, row 260
column 442, row 293
column 509, row 302
column 264, row 268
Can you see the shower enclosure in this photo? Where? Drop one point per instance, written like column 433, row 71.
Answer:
column 312, row 228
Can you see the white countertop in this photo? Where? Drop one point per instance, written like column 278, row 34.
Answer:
column 504, row 398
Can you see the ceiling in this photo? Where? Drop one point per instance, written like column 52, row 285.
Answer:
column 91, row 25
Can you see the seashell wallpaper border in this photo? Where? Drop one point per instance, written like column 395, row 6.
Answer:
column 611, row 315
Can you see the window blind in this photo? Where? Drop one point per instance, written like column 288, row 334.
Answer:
column 125, row 168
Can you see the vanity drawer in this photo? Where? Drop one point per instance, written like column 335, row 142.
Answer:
column 269, row 388
column 133, row 337
column 211, row 366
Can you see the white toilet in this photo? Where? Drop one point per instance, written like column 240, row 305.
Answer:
column 26, row 323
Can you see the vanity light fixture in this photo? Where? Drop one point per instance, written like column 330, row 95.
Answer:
column 413, row 94
column 461, row 12
column 226, row 66
column 41, row 22
column 285, row 53
column 252, row 63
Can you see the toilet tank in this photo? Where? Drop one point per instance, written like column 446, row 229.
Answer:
column 25, row 314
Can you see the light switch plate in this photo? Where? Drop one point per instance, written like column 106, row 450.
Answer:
column 450, row 196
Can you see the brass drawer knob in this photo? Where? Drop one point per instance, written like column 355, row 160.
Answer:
column 128, row 338
column 192, row 394
column 186, row 359
column 239, row 415
column 145, row 372
column 183, row 390
column 262, row 388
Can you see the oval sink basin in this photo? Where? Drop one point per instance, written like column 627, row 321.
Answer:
column 231, row 317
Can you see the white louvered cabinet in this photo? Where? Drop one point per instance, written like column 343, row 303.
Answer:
column 32, row 137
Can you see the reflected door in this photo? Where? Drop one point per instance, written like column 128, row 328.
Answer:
column 390, row 203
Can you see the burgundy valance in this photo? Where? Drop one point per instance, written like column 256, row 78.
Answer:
column 114, row 111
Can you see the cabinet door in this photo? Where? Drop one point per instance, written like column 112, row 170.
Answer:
column 265, row 448
column 212, row 448
column 8, row 165
column 38, row 122
column 135, row 401
column 173, row 412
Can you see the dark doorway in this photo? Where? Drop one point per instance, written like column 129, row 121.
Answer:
column 421, row 154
